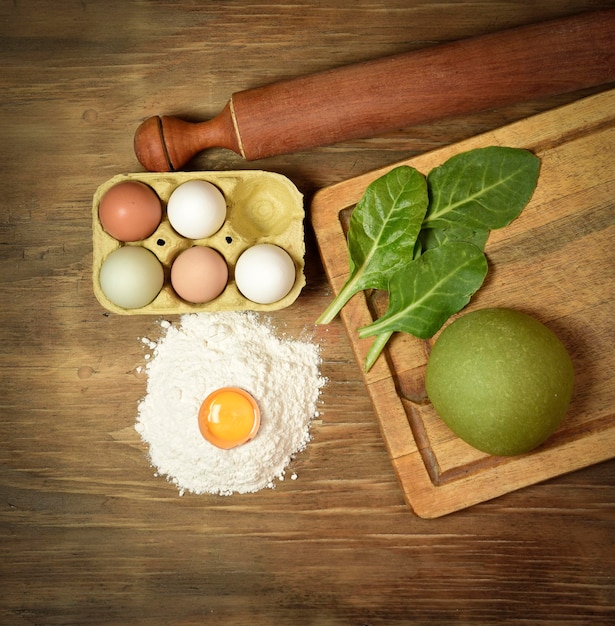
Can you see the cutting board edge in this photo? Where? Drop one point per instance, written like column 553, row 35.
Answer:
column 430, row 501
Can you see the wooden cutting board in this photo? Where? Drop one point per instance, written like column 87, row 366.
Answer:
column 556, row 262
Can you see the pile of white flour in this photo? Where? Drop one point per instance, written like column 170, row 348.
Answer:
column 230, row 349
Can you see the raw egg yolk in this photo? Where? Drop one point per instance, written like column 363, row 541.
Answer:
column 229, row 417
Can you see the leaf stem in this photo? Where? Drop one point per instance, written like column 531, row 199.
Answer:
column 374, row 328
column 375, row 349
column 347, row 291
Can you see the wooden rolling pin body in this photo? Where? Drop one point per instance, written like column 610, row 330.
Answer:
column 375, row 97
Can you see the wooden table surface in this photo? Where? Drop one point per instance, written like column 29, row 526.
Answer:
column 88, row 534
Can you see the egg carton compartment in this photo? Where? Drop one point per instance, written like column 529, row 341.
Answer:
column 262, row 207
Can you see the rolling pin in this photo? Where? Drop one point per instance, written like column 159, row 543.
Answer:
column 375, row 97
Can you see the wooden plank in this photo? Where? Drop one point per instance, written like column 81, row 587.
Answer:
column 555, row 261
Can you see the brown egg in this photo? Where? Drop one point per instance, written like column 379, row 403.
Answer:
column 130, row 211
column 199, row 274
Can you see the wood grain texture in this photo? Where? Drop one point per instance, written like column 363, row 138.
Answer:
column 88, row 534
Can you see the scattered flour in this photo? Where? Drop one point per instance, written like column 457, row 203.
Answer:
column 229, row 349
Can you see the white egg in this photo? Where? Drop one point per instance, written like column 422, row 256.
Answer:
column 131, row 277
column 265, row 273
column 196, row 209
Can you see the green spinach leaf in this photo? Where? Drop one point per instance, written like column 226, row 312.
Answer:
column 433, row 237
column 431, row 269
column 483, row 188
column 427, row 291
column 382, row 232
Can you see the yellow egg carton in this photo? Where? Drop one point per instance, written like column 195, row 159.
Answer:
column 262, row 207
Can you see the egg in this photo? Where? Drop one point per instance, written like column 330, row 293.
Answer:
column 130, row 211
column 196, row 209
column 265, row 273
column 199, row 274
column 131, row 277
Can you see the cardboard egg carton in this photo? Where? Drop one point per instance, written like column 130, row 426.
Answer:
column 262, row 207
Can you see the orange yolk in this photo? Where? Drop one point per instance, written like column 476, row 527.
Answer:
column 229, row 417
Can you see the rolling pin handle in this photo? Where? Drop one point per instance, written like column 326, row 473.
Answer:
column 165, row 144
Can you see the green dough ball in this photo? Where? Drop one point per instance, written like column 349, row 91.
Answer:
column 500, row 380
